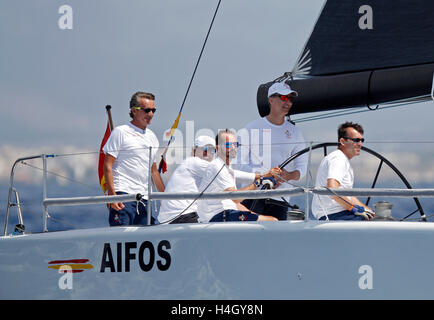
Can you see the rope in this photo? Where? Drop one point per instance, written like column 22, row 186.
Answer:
column 200, row 55
column 175, row 124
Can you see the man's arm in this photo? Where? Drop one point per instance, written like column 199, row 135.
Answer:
column 156, row 178
column 249, row 177
column 246, row 188
column 351, row 201
column 290, row 175
column 108, row 175
column 271, row 173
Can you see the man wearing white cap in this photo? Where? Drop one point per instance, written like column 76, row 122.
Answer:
column 187, row 178
column 272, row 140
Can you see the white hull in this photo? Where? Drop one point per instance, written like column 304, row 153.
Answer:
column 270, row 260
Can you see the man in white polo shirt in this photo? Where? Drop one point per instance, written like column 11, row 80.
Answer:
column 219, row 176
column 272, row 140
column 334, row 172
column 126, row 165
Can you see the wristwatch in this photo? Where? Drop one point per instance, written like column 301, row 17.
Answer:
column 257, row 183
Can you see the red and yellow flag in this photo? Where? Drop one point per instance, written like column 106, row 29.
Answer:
column 162, row 167
column 101, row 159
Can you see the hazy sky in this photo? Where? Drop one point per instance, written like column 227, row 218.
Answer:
column 55, row 83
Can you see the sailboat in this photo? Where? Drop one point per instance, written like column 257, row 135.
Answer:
column 363, row 56
column 358, row 55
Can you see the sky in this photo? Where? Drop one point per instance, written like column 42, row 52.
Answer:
column 56, row 82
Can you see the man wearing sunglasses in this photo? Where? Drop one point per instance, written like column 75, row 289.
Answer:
column 272, row 140
column 219, row 176
column 126, row 165
column 334, row 172
column 186, row 178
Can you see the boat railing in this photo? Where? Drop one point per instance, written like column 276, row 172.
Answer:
column 151, row 196
column 12, row 190
column 254, row 194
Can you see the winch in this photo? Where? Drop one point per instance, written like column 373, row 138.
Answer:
column 383, row 211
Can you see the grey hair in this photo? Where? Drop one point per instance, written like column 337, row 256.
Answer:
column 135, row 99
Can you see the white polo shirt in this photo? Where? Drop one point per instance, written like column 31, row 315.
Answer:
column 336, row 166
column 265, row 145
column 186, row 178
column 208, row 208
column 130, row 146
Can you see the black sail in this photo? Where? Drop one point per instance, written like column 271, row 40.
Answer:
column 363, row 53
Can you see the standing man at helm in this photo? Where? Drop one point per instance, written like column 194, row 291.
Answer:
column 126, row 165
column 271, row 140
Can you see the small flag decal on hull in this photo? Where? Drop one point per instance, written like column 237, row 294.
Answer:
column 76, row 265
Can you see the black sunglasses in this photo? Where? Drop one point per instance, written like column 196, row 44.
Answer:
column 356, row 140
column 147, row 110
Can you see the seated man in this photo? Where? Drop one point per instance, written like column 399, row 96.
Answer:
column 187, row 178
column 334, row 172
column 219, row 176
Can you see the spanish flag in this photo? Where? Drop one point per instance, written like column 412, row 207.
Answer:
column 107, row 133
column 75, row 265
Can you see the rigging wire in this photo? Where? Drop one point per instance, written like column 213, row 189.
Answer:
column 58, row 175
column 84, row 184
column 75, row 181
column 175, row 124
column 49, row 216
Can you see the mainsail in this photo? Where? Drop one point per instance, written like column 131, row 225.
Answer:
column 363, row 53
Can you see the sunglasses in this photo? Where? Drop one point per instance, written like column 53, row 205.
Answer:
column 283, row 97
column 147, row 110
column 210, row 149
column 229, row 144
column 356, row 140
